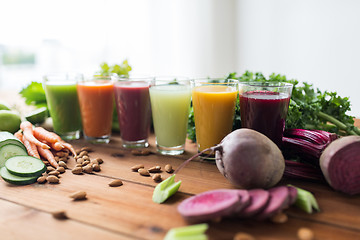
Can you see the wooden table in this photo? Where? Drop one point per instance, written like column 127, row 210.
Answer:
column 127, row 212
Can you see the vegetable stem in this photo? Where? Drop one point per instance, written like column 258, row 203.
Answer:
column 336, row 122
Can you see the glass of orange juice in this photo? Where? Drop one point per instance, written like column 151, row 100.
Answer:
column 214, row 102
column 96, row 99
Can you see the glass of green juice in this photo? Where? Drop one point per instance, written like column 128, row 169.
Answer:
column 62, row 101
column 170, row 103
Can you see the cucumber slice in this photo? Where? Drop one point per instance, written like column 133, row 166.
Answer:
column 10, row 150
column 37, row 116
column 10, row 178
column 8, row 138
column 25, row 166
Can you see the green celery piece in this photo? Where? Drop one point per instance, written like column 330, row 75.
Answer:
column 193, row 232
column 306, row 201
column 165, row 189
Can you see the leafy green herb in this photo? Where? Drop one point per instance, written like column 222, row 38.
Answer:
column 309, row 107
column 34, row 94
column 121, row 70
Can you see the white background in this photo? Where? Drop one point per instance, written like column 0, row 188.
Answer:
column 316, row 41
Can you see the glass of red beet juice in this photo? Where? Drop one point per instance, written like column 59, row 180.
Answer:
column 264, row 106
column 134, row 112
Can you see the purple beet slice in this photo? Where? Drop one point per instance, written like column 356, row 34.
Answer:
column 279, row 200
column 209, row 205
column 259, row 199
column 292, row 195
column 244, row 201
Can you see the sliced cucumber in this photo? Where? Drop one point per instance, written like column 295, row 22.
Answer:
column 10, row 178
column 37, row 116
column 25, row 166
column 8, row 138
column 10, row 150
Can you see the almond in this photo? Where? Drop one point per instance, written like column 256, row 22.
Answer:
column 144, row 172
column 169, row 168
column 53, row 179
column 79, row 195
column 154, row 169
column 137, row 167
column 116, row 183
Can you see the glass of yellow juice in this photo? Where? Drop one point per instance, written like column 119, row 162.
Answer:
column 214, row 102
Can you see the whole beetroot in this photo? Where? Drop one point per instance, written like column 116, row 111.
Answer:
column 249, row 159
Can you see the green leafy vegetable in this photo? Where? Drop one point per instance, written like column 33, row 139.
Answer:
column 34, row 94
column 165, row 189
column 309, row 107
column 121, row 70
column 193, row 232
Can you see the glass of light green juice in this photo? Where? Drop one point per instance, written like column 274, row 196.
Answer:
column 170, row 102
column 63, row 105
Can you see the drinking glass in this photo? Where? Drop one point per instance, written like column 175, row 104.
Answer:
column 62, row 101
column 264, row 106
column 96, row 98
column 214, row 102
column 170, row 102
column 134, row 111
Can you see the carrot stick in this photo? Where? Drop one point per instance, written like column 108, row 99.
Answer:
column 31, row 148
column 41, row 134
column 47, row 154
column 58, row 146
column 70, row 147
column 27, row 129
column 19, row 136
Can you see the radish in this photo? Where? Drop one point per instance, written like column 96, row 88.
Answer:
column 340, row 164
column 248, row 159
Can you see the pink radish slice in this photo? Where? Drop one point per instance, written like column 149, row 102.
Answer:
column 210, row 205
column 259, row 199
column 292, row 195
column 279, row 200
column 245, row 200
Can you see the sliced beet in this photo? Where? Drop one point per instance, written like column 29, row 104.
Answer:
column 259, row 199
column 279, row 200
column 245, row 200
column 210, row 205
column 340, row 164
column 292, row 195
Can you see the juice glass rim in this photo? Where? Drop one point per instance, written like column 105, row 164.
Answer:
column 171, row 80
column 98, row 79
column 63, row 77
column 214, row 81
column 268, row 84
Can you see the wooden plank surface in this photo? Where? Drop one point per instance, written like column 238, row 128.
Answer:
column 127, row 212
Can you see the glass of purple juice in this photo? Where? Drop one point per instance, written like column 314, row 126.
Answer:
column 264, row 106
column 134, row 110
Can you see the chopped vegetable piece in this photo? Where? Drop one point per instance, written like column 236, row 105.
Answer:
column 193, row 232
column 165, row 189
column 306, row 201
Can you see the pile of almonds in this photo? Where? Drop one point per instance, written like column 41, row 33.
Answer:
column 84, row 164
column 140, row 168
column 52, row 175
